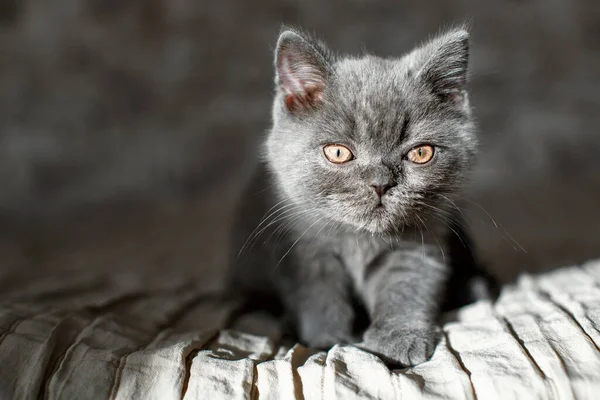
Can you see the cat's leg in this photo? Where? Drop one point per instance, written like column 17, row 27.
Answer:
column 320, row 297
column 403, row 292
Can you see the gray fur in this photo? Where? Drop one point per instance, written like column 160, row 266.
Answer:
column 309, row 230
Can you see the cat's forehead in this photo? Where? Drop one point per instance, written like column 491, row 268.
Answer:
column 371, row 76
column 373, row 94
column 374, row 86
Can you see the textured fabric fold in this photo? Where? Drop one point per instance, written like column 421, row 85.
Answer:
column 539, row 340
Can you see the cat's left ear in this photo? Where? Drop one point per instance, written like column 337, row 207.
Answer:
column 302, row 68
column 442, row 65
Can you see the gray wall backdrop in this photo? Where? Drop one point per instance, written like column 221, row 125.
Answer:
column 129, row 121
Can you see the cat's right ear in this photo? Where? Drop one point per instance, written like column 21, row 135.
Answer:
column 442, row 65
column 301, row 71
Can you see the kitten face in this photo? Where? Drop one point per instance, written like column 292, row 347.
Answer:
column 401, row 128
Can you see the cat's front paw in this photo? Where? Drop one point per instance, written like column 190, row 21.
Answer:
column 321, row 333
column 325, row 340
column 401, row 346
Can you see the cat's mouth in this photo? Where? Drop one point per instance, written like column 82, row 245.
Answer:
column 379, row 213
column 380, row 204
column 381, row 218
column 378, row 208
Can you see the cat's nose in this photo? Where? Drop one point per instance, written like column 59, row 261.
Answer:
column 381, row 189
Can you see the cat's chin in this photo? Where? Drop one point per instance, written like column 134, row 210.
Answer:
column 380, row 223
column 371, row 227
column 381, row 229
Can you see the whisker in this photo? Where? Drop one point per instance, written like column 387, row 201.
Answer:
column 291, row 221
column 454, row 204
column 282, row 216
column 497, row 225
column 317, row 234
column 438, row 242
column 448, row 224
column 294, row 244
column 264, row 220
column 422, row 239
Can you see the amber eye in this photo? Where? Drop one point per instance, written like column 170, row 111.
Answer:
column 421, row 154
column 338, row 154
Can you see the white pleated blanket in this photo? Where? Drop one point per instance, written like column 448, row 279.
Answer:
column 539, row 341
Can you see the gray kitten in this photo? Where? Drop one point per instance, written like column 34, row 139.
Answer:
column 353, row 203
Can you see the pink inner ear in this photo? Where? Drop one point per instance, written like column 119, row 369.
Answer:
column 289, row 82
column 302, row 84
column 457, row 96
column 311, row 97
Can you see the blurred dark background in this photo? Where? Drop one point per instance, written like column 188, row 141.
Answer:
column 126, row 126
